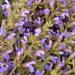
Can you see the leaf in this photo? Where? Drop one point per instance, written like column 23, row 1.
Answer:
column 1, row 1
column 53, row 72
column 47, row 25
column 73, row 73
column 42, row 65
column 1, row 14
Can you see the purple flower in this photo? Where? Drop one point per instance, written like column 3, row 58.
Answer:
column 30, row 63
column 61, row 0
column 74, row 9
column 2, row 31
column 66, row 34
column 25, row 38
column 37, row 31
column 47, row 46
column 5, row 13
column 31, row 68
column 30, row 2
column 65, row 14
column 61, row 64
column 19, row 51
column 59, row 23
column 61, row 46
column 39, row 72
column 38, row 20
column 25, row 13
column 27, row 32
column 73, row 42
column 42, row 72
column 65, row 2
column 55, row 59
column 46, row 11
column 61, row 52
column 7, row 1
column 21, row 30
column 73, row 55
column 73, row 0
column 11, row 36
column 56, row 19
column 63, row 61
column 11, row 65
column 67, row 11
column 43, row 41
column 4, row 7
column 52, row 2
column 73, row 32
column 40, row 53
column 66, row 68
column 3, row 67
column 41, row 12
column 8, row 6
column 21, row 23
column 6, row 56
column 49, row 67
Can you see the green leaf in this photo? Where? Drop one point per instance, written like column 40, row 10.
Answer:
column 43, row 64
column 73, row 73
column 1, row 1
column 53, row 72
column 1, row 14
column 47, row 25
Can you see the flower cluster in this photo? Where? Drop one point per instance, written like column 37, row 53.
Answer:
column 37, row 37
